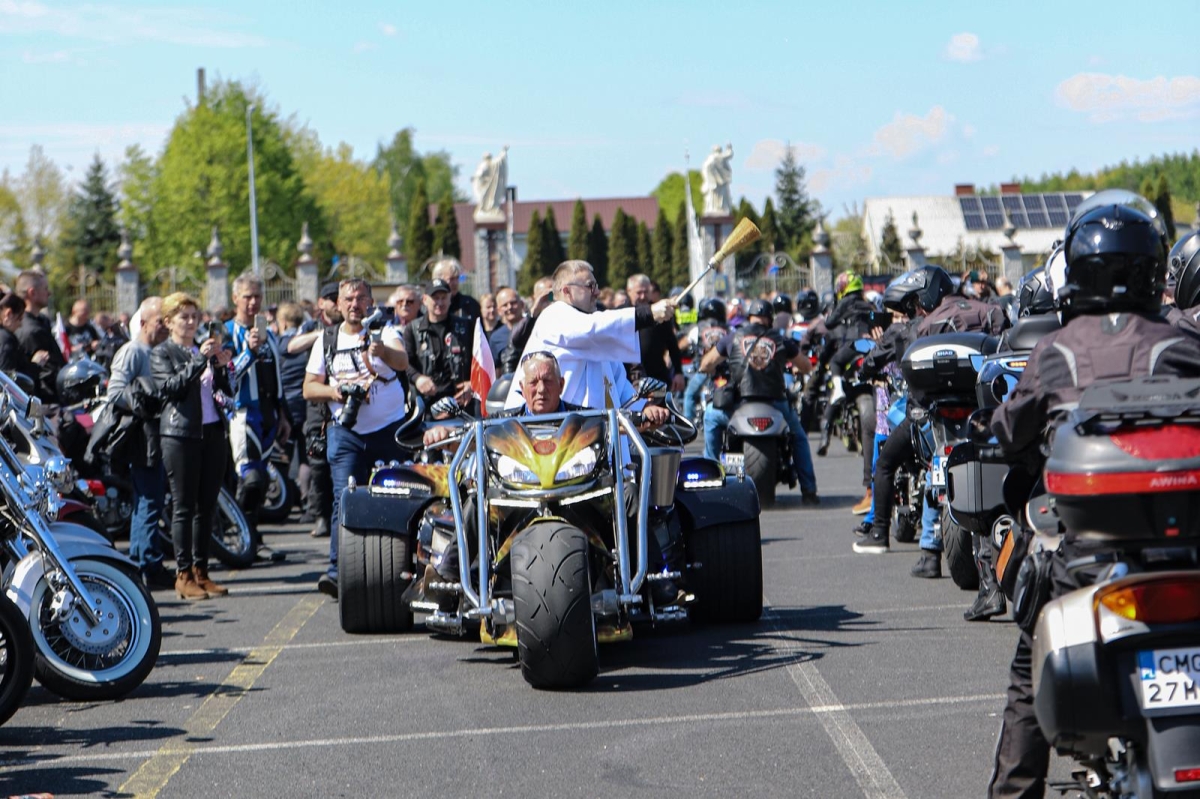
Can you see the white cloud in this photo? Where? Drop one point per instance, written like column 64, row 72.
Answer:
column 963, row 47
column 112, row 24
column 1106, row 97
column 845, row 174
column 991, row 151
column 767, row 153
column 948, row 157
column 908, row 133
column 388, row 28
column 968, row 131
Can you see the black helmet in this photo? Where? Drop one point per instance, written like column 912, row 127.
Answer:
column 760, row 308
column 808, row 305
column 782, row 303
column 924, row 287
column 712, row 308
column 1116, row 252
column 686, row 303
column 1034, row 295
column 1184, row 265
column 80, row 380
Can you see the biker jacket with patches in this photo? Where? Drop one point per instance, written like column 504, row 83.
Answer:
column 440, row 350
column 757, row 357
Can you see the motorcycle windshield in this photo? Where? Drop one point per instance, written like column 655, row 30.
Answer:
column 528, row 454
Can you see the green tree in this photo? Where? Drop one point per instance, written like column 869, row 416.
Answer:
column 1162, row 201
column 597, row 251
column 91, row 232
column 1181, row 169
column 890, row 248
column 669, row 193
column 797, row 212
column 42, row 192
column 405, row 167
column 552, row 239
column 135, row 201
column 645, row 253
column 14, row 238
column 418, row 237
column 661, row 250
column 533, row 267
column 622, row 250
column 445, row 231
column 352, row 198
column 203, row 180
column 680, row 268
column 772, row 239
column 745, row 259
column 577, row 242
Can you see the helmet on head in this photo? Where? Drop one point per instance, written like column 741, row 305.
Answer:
column 1034, row 295
column 1116, row 256
column 922, row 287
column 80, row 380
column 846, row 283
column 712, row 308
column 874, row 297
column 808, row 305
column 1184, row 265
column 686, row 303
column 782, row 303
column 760, row 308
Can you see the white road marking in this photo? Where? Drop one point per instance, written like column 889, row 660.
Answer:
column 818, row 710
column 868, row 768
column 245, row 650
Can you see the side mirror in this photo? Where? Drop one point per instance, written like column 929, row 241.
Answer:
column 34, row 410
column 649, row 387
column 863, row 345
column 446, row 408
column 979, row 427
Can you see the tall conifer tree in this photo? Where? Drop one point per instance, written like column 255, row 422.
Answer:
column 418, row 243
column 532, row 267
column 597, row 251
column 445, row 230
column 577, row 242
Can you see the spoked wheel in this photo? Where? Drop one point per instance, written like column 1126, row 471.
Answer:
column 552, row 594
column 281, row 496
column 16, row 658
column 79, row 661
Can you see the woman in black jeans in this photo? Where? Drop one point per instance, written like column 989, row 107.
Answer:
column 195, row 449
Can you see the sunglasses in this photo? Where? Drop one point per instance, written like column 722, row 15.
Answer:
column 591, row 285
column 539, row 355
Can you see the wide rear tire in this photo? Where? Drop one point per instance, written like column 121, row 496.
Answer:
column 728, row 579
column 552, row 592
column 956, row 543
column 371, row 565
column 16, row 658
column 761, row 458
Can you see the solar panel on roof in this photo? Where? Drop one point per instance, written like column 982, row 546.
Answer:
column 1054, row 202
column 991, row 204
column 1058, row 218
column 974, row 222
column 970, row 205
column 995, row 220
column 1073, row 200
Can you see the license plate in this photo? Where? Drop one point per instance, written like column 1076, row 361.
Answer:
column 1170, row 678
column 938, row 477
column 733, row 460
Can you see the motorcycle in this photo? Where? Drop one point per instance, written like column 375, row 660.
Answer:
column 758, row 442
column 536, row 511
column 1116, row 662
column 96, row 631
column 854, row 421
column 282, row 493
column 16, row 658
column 942, row 372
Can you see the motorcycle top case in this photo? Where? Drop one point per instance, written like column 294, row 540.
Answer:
column 1125, row 465
column 945, row 366
column 975, row 485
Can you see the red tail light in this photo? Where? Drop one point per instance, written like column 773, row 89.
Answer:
column 1187, row 775
column 954, row 413
column 761, row 423
column 1173, row 600
column 1084, row 484
column 95, row 488
column 1160, row 443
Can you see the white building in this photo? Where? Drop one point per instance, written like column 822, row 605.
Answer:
column 972, row 222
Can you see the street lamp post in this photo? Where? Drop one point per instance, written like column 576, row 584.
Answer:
column 253, row 206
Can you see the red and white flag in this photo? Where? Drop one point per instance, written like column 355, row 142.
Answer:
column 60, row 335
column 483, row 368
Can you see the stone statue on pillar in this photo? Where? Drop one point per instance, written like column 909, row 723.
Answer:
column 490, row 183
column 717, row 174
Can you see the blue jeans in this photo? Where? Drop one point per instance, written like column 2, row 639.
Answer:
column 715, row 422
column 353, row 455
column 929, row 516
column 870, row 517
column 148, row 488
column 695, row 383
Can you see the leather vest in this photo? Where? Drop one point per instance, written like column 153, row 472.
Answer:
column 756, row 361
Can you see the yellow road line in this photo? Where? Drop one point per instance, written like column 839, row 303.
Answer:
column 154, row 774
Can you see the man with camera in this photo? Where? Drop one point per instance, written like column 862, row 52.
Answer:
column 354, row 367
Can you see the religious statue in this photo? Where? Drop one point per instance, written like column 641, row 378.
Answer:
column 490, row 183
column 717, row 176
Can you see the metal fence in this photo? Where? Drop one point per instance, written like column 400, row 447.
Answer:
column 89, row 285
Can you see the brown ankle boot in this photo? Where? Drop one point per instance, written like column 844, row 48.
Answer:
column 186, row 587
column 206, row 584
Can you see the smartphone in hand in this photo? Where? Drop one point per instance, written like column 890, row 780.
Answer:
column 260, row 324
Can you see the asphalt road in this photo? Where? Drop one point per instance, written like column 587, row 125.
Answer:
column 859, row 681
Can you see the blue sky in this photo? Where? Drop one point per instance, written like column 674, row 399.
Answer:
column 601, row 99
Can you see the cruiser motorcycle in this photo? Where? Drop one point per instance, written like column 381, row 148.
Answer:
column 96, row 631
column 538, row 531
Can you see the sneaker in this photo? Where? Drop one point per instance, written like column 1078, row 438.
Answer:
column 863, row 505
column 328, row 586
column 863, row 529
column 809, row 498
column 929, row 565
column 872, row 545
column 265, row 554
column 321, row 528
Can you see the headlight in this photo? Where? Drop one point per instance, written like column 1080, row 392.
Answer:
column 513, row 471
column 583, row 464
